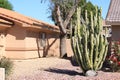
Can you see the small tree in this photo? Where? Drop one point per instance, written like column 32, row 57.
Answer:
column 6, row 4
column 63, row 13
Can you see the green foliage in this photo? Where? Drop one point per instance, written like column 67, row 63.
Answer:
column 65, row 6
column 89, row 45
column 6, row 4
column 89, row 7
column 7, row 64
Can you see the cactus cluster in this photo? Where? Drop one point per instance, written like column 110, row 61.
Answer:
column 89, row 45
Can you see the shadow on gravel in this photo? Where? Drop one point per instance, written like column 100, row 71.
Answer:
column 64, row 71
column 72, row 60
column 106, row 67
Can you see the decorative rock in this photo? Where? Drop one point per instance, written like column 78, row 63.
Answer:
column 91, row 73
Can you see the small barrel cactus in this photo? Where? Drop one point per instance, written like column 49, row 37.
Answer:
column 88, row 43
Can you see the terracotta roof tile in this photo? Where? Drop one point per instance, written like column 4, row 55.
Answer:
column 24, row 19
column 113, row 14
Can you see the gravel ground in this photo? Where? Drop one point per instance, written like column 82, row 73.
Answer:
column 53, row 69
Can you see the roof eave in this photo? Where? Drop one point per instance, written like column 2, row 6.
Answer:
column 41, row 28
column 113, row 22
column 48, row 27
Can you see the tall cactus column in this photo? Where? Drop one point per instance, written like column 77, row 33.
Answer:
column 89, row 45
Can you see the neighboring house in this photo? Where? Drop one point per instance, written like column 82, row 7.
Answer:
column 113, row 19
column 107, row 31
column 22, row 37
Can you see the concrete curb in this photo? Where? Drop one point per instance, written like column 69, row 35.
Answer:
column 2, row 73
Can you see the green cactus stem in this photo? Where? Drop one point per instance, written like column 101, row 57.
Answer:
column 89, row 45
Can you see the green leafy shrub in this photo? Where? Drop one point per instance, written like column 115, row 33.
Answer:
column 7, row 64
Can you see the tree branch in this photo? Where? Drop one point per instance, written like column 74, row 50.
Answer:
column 60, row 20
column 70, row 14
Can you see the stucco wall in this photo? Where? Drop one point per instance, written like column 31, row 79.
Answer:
column 53, row 43
column 23, row 44
column 115, row 32
column 2, row 43
column 33, row 48
column 15, row 42
column 33, row 41
column 52, row 48
column 69, row 48
column 15, row 37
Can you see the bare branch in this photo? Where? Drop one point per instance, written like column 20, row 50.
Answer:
column 59, row 20
column 71, row 12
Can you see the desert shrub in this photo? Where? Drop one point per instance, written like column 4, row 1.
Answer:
column 7, row 64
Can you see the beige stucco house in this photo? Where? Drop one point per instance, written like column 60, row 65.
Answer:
column 113, row 19
column 23, row 37
column 107, row 31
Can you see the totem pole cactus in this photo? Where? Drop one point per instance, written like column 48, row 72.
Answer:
column 88, row 43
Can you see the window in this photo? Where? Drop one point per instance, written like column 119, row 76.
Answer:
column 43, row 39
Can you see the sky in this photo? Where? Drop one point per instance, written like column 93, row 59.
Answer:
column 40, row 11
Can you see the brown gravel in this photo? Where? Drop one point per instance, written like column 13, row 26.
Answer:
column 54, row 69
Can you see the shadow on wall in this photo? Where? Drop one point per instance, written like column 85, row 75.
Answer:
column 38, row 46
column 46, row 48
column 17, row 31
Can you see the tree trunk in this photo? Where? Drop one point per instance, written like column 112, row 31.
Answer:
column 63, row 26
column 63, row 52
